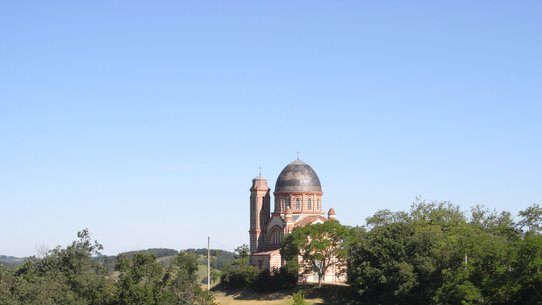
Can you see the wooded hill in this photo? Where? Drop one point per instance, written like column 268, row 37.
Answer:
column 219, row 258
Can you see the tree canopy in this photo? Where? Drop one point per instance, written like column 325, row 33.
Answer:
column 73, row 276
column 437, row 254
column 320, row 247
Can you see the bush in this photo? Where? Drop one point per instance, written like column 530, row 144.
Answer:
column 241, row 275
column 288, row 275
column 279, row 279
column 263, row 282
column 238, row 275
column 299, row 298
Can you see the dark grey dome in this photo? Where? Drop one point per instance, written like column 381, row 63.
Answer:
column 298, row 176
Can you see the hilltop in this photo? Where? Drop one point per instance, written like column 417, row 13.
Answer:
column 219, row 258
column 11, row 260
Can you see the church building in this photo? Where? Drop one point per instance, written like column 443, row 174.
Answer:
column 298, row 202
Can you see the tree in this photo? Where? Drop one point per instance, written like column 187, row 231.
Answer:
column 143, row 281
column 75, row 276
column 63, row 276
column 527, row 270
column 532, row 218
column 458, row 289
column 180, row 283
column 7, row 282
column 242, row 252
column 278, row 279
column 437, row 255
column 320, row 247
column 400, row 261
column 215, row 275
column 139, row 279
column 240, row 273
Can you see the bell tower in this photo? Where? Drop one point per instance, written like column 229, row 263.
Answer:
column 260, row 209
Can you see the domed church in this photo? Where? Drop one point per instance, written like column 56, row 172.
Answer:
column 298, row 202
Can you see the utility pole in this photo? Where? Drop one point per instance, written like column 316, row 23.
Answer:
column 208, row 263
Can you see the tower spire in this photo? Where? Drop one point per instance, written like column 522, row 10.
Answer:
column 298, row 154
column 260, row 171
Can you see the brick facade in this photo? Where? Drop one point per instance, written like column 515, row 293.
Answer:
column 298, row 202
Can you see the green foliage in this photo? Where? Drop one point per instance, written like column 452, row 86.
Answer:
column 219, row 258
column 7, row 282
column 532, row 218
column 278, row 279
column 180, row 283
column 157, row 252
column 434, row 254
column 75, row 276
column 215, row 276
column 320, row 247
column 142, row 280
column 527, row 270
column 242, row 252
column 64, row 276
column 139, row 279
column 299, row 298
column 458, row 289
column 240, row 273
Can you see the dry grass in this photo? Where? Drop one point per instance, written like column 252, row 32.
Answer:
column 327, row 295
column 271, row 299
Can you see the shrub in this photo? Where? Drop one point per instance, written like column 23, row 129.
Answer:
column 238, row 275
column 279, row 279
column 299, row 298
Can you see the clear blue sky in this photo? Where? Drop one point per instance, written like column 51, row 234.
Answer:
column 145, row 121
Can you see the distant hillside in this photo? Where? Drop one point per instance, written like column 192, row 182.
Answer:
column 11, row 260
column 219, row 258
column 158, row 252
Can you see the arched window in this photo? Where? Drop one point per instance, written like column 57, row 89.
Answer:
column 309, row 204
column 318, row 204
column 288, row 203
column 297, row 204
column 275, row 236
column 282, row 207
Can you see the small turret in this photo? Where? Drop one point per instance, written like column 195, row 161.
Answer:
column 331, row 214
column 288, row 214
column 289, row 221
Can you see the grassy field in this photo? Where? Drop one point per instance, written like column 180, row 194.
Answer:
column 202, row 275
column 202, row 272
column 326, row 295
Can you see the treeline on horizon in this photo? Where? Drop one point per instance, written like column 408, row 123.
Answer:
column 75, row 275
column 437, row 254
column 219, row 257
column 434, row 253
column 162, row 252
